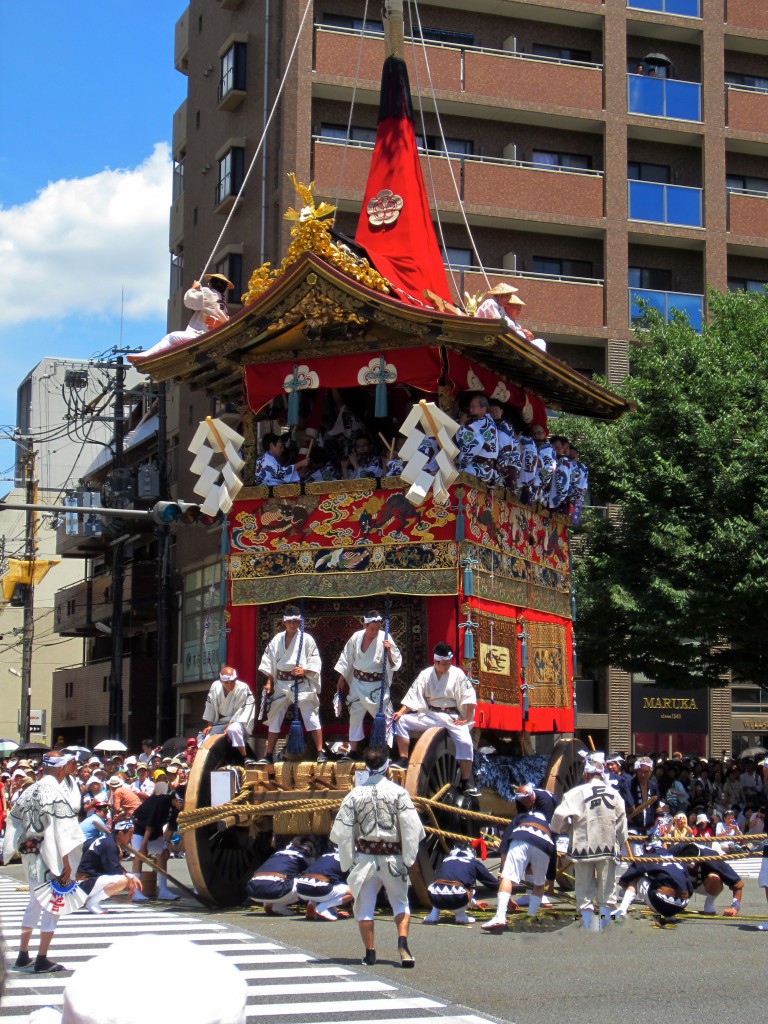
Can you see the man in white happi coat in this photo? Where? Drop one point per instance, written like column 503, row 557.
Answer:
column 368, row 662
column 230, row 708
column 594, row 815
column 44, row 829
column 440, row 697
column 292, row 659
column 378, row 831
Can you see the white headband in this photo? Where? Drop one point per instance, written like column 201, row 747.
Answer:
column 367, row 619
column 443, row 657
column 379, row 771
column 291, row 618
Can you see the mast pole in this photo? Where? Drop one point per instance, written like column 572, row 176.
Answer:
column 394, row 34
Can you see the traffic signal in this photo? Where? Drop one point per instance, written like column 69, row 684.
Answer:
column 165, row 513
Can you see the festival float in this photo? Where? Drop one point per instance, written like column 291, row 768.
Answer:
column 372, row 323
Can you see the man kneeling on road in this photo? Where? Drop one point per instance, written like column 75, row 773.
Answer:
column 100, row 872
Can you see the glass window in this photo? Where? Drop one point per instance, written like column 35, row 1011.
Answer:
column 455, row 147
column 347, row 21
column 639, row 171
column 232, row 74
column 178, row 179
column 750, row 81
column 561, row 52
column 458, row 257
column 177, row 270
column 650, row 277
column 549, row 158
column 562, row 267
column 746, row 182
column 231, row 171
column 232, row 268
column 203, row 622
column 745, row 284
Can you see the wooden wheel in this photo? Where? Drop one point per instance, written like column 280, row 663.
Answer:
column 564, row 771
column 220, row 861
column 431, row 766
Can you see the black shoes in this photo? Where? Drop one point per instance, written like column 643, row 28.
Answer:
column 321, row 758
column 406, row 957
column 369, row 959
column 266, row 759
column 401, row 762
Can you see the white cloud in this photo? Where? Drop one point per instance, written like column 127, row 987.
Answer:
column 78, row 242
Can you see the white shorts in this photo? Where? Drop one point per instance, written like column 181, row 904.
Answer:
column 154, row 846
column 762, row 878
column 524, row 855
column 282, row 699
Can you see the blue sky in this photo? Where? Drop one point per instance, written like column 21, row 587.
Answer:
column 87, row 95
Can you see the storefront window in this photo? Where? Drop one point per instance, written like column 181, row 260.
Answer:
column 203, row 623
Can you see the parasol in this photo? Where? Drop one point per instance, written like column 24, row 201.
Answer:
column 112, row 746
column 174, row 746
column 33, row 748
column 8, row 747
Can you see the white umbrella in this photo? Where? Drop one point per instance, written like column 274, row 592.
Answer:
column 8, row 747
column 113, row 746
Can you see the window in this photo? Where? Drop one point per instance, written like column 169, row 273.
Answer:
column 178, row 179
column 440, row 35
column 458, row 257
column 232, row 75
column 339, row 131
column 347, row 21
column 454, row 147
column 203, row 621
column 745, row 284
column 650, row 277
column 561, row 53
column 562, row 267
column 232, row 268
column 745, row 182
column 550, row 158
column 231, row 171
column 750, row 81
column 638, row 171
column 177, row 270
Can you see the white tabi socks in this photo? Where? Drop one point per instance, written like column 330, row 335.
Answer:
column 534, row 902
column 586, row 919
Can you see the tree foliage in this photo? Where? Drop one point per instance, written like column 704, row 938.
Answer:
column 673, row 582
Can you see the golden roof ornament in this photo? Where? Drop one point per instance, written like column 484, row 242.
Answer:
column 311, row 232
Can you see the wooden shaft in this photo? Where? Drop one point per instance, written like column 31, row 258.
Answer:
column 156, row 867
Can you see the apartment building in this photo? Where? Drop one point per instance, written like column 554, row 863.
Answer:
column 601, row 153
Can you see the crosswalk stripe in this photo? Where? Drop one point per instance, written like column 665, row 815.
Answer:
column 337, row 1006
column 280, row 982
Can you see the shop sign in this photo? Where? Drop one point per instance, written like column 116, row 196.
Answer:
column 657, row 709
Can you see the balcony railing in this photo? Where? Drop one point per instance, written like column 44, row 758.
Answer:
column 666, row 303
column 683, row 8
column 664, row 97
column 665, row 204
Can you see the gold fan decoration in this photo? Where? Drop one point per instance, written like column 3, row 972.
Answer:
column 311, row 232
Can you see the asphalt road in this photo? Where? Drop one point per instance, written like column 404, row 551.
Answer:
column 701, row 970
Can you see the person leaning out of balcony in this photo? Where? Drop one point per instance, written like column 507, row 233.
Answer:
column 209, row 302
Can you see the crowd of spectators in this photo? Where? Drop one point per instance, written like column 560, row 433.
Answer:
column 104, row 791
column 708, row 798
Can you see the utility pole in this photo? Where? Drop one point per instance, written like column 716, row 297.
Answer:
column 115, row 721
column 166, row 725
column 28, row 630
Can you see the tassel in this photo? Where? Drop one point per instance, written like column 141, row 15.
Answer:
column 380, row 401
column 295, row 743
column 378, row 737
column 460, row 519
column 469, row 588
column 469, row 645
column 480, row 846
column 293, row 399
